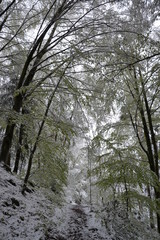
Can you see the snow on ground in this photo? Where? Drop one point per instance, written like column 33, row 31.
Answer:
column 22, row 217
column 36, row 217
column 80, row 223
column 41, row 215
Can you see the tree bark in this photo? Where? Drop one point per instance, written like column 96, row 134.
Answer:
column 19, row 149
column 7, row 140
column 150, row 210
column 6, row 145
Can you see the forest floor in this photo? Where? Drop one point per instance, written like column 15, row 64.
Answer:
column 38, row 215
column 43, row 215
column 80, row 224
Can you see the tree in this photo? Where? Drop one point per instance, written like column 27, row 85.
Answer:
column 42, row 52
column 136, row 94
column 71, row 67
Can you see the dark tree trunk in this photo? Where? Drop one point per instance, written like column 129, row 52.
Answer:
column 150, row 139
column 6, row 145
column 152, row 149
column 150, row 210
column 150, row 123
column 7, row 140
column 19, row 149
column 157, row 197
column 158, row 222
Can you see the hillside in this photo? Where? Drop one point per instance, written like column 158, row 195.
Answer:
column 40, row 215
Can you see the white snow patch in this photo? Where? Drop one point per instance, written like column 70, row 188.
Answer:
column 22, row 217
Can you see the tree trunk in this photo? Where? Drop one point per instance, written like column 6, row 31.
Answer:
column 150, row 210
column 7, row 140
column 150, row 123
column 150, row 140
column 6, row 145
column 19, row 150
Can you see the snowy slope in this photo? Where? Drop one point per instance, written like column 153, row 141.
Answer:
column 21, row 217
column 41, row 215
column 80, row 223
column 35, row 217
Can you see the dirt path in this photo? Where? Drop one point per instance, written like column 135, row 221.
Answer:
column 77, row 223
column 81, row 224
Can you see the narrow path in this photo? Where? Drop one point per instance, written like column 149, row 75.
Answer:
column 77, row 223
column 81, row 224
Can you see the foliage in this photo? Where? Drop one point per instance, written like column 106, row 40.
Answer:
column 84, row 68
